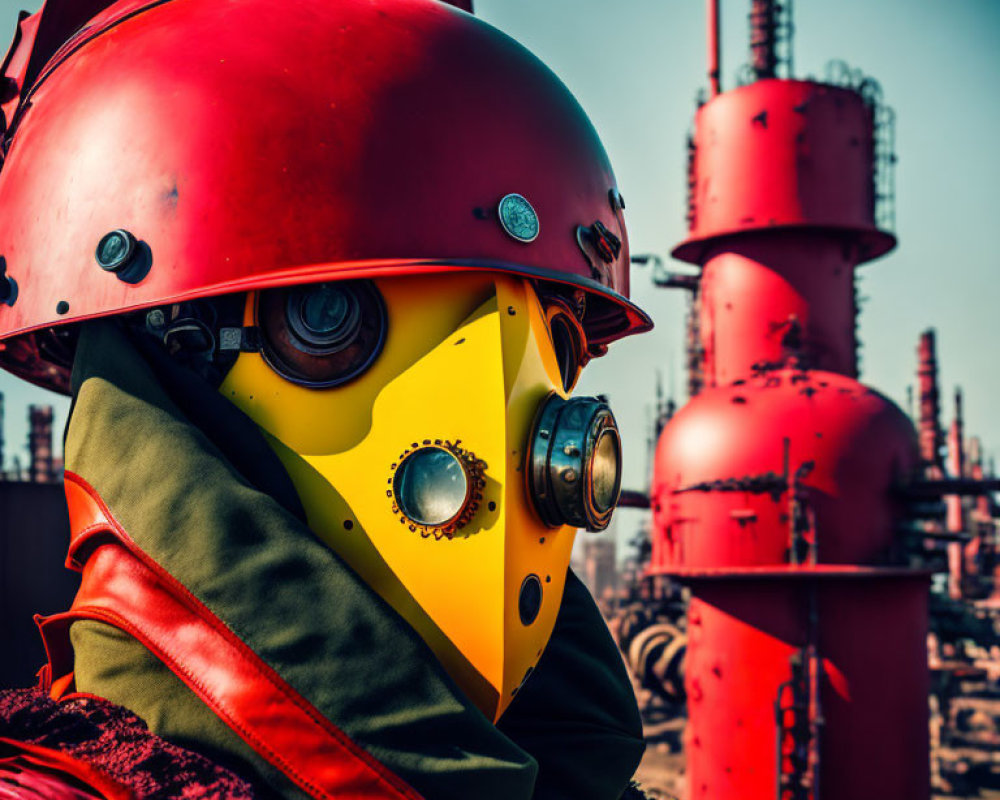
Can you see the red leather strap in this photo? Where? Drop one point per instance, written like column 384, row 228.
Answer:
column 122, row 586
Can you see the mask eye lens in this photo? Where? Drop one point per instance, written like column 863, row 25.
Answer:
column 322, row 335
column 566, row 351
column 574, row 462
column 431, row 486
column 606, row 471
column 568, row 341
column 325, row 318
column 327, row 309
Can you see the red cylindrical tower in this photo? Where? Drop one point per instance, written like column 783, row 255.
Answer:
column 772, row 493
column 790, row 162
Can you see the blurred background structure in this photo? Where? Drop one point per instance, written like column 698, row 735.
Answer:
column 754, row 529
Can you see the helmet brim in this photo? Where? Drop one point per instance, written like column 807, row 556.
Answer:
column 610, row 317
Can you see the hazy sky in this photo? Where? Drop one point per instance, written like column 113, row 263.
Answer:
column 636, row 65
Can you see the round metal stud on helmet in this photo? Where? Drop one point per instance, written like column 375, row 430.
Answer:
column 162, row 136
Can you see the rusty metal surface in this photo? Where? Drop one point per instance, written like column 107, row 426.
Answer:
column 775, row 490
column 751, row 173
column 758, row 305
column 859, row 444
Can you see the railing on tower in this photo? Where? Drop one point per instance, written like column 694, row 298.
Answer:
column 839, row 73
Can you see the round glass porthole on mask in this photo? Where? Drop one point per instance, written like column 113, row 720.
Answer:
column 437, row 487
column 431, row 486
column 322, row 335
column 324, row 318
column 574, row 463
column 606, row 471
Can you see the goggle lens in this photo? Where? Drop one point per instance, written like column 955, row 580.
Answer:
column 606, row 471
column 431, row 486
column 322, row 335
column 574, row 463
column 568, row 340
column 328, row 311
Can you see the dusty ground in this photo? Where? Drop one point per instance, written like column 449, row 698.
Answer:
column 985, row 794
column 661, row 774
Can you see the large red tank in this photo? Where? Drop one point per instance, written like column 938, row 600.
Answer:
column 736, row 462
column 772, row 492
column 772, row 500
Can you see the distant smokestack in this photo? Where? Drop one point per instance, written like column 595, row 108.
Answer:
column 955, row 517
column 977, row 470
column 40, row 443
column 930, row 405
column 714, row 49
column 958, row 428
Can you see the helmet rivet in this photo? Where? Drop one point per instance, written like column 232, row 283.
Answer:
column 8, row 290
column 62, row 307
column 518, row 218
column 156, row 320
column 115, row 250
column 8, row 286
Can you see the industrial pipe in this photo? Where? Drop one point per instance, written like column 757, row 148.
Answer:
column 714, row 58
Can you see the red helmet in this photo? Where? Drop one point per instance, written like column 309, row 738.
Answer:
column 177, row 149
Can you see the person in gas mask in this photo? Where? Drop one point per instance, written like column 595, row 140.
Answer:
column 320, row 278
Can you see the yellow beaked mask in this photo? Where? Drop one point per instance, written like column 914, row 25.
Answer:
column 418, row 472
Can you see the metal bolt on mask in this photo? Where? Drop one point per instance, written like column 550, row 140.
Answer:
column 429, row 473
